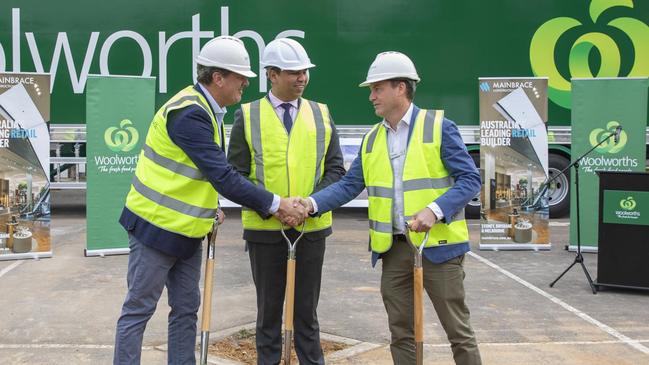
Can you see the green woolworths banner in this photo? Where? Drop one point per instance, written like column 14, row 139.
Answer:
column 119, row 111
column 599, row 106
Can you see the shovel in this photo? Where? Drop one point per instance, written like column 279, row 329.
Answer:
column 418, row 288
column 207, row 291
column 290, row 294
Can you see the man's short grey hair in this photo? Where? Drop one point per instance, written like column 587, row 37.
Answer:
column 204, row 73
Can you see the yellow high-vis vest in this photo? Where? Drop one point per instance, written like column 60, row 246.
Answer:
column 286, row 164
column 168, row 190
column 424, row 179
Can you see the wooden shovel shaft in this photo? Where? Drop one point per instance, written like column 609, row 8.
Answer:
column 418, row 297
column 290, row 294
column 419, row 314
column 288, row 314
column 207, row 295
column 207, row 308
column 206, row 317
column 419, row 304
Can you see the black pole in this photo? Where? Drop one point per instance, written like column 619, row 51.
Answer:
column 579, row 258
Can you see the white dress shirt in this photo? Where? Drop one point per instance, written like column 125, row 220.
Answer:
column 279, row 110
column 219, row 113
column 397, row 147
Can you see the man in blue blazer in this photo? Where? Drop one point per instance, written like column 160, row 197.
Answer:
column 173, row 201
column 433, row 178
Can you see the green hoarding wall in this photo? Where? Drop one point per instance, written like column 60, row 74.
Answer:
column 120, row 110
column 452, row 44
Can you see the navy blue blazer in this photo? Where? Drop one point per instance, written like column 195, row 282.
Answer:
column 191, row 129
column 457, row 161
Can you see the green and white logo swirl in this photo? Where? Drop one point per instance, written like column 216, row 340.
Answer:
column 628, row 203
column 544, row 50
column 599, row 134
column 122, row 139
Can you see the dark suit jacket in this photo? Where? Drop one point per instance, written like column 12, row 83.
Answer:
column 239, row 157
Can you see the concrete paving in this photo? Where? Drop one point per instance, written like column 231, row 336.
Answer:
column 64, row 309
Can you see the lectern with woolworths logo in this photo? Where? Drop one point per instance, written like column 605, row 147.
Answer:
column 623, row 256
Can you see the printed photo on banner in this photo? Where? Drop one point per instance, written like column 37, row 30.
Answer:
column 514, row 163
column 24, row 166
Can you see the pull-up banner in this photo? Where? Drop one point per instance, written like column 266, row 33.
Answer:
column 119, row 110
column 24, row 166
column 514, row 163
column 599, row 106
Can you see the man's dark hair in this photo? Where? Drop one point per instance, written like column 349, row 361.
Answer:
column 272, row 68
column 411, row 86
column 204, row 73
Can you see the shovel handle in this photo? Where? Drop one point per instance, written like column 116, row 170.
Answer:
column 290, row 294
column 292, row 246
column 288, row 309
column 206, row 316
column 418, row 288
column 207, row 295
column 209, row 273
column 419, row 304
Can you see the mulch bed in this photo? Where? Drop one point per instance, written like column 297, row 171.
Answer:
column 241, row 347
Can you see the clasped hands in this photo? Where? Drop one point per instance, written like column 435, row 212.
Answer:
column 293, row 211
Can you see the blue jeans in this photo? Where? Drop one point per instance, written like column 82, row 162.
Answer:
column 149, row 270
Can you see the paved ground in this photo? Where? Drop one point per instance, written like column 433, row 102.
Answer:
column 63, row 310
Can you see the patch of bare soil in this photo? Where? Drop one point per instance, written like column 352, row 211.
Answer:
column 241, row 347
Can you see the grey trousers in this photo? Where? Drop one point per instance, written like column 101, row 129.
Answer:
column 444, row 285
column 149, row 270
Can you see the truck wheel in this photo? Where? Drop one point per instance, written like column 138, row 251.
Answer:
column 559, row 191
column 472, row 209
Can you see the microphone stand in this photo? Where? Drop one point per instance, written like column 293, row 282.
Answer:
column 579, row 258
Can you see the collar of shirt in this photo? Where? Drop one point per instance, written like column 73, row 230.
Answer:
column 276, row 102
column 216, row 108
column 405, row 119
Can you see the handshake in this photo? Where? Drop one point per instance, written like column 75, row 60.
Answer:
column 293, row 211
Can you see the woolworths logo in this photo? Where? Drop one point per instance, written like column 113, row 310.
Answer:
column 628, row 203
column 155, row 49
column 599, row 134
column 623, row 30
column 122, row 139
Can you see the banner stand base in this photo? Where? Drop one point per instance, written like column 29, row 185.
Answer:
column 587, row 249
column 514, row 247
column 106, row 252
column 26, row 256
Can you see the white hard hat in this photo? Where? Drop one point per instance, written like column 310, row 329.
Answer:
column 390, row 65
column 228, row 53
column 286, row 54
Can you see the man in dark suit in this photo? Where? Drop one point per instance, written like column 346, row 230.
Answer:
column 288, row 145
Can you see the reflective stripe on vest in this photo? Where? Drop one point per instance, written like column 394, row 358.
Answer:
column 424, row 179
column 286, row 164
column 168, row 190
